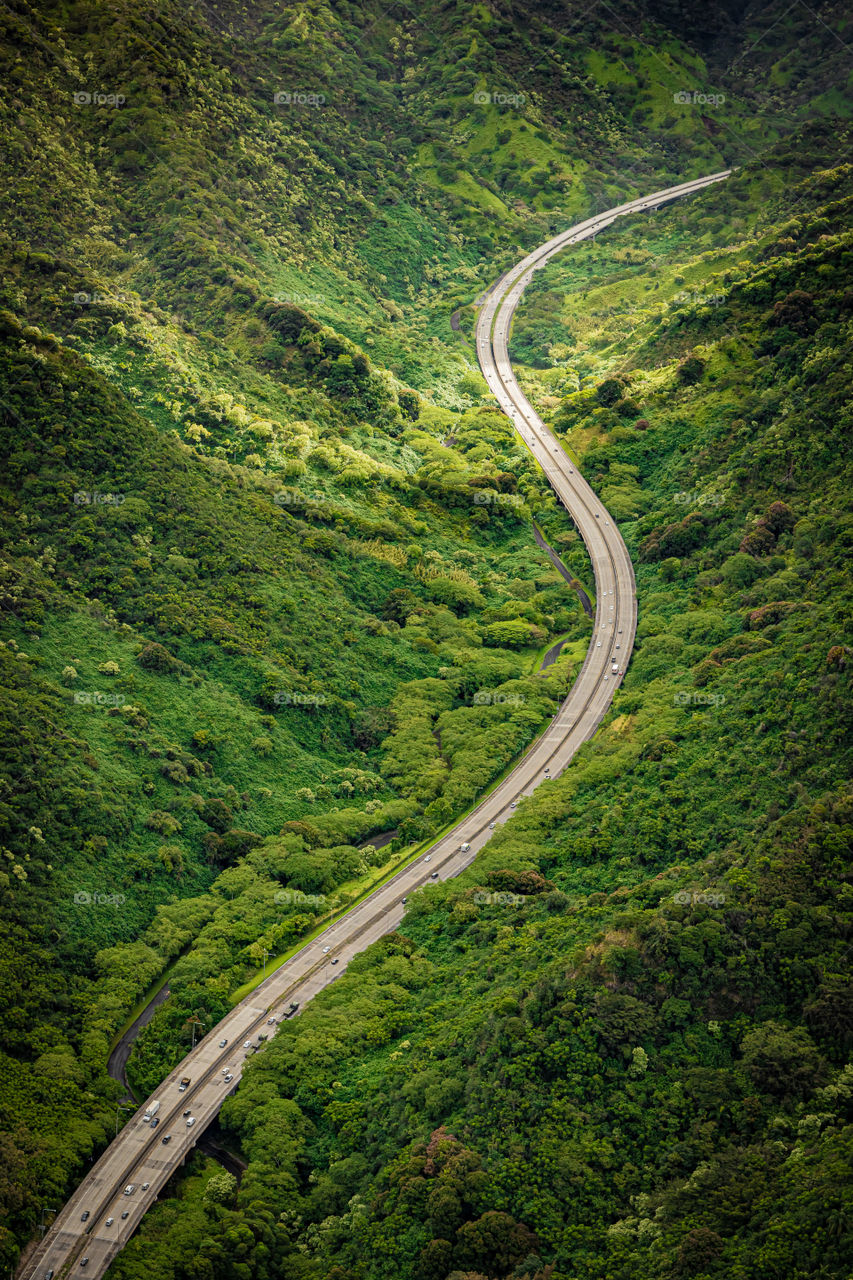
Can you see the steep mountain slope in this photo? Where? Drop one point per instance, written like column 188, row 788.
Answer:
column 617, row 1045
column 269, row 582
column 364, row 162
column 196, row 656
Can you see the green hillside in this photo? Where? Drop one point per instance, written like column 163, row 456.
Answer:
column 618, row 1043
column 271, row 591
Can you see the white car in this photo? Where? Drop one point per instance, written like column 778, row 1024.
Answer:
column 428, row 858
column 229, row 1078
column 271, row 1022
column 492, row 826
column 191, row 1122
column 326, row 950
column 222, row 1044
column 109, row 1222
column 247, row 1044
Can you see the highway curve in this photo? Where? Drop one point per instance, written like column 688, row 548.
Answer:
column 139, row 1156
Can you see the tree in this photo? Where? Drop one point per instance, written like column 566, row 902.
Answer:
column 609, row 391
column 512, row 634
column 494, row 1243
column 221, row 1188
column 698, row 1248
column 796, row 312
column 172, row 857
column 343, row 375
column 690, row 371
column 155, row 657
column 410, row 405
column 779, row 518
column 217, row 814
column 399, row 604
column 781, row 1060
column 740, row 570
column 829, row 1013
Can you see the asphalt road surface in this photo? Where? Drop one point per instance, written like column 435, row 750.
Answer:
column 144, row 1158
column 117, row 1065
column 562, row 570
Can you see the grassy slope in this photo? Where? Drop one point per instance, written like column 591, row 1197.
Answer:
column 150, row 239
column 642, row 1058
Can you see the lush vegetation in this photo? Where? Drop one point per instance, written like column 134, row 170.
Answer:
column 271, row 591
column 201, row 659
column 619, row 1045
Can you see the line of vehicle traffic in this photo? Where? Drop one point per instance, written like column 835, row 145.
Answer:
column 130, row 1161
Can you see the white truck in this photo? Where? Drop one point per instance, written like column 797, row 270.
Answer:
column 151, row 1113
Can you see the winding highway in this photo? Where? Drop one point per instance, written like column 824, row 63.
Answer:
column 102, row 1214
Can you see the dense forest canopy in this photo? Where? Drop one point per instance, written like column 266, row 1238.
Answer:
column 274, row 616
